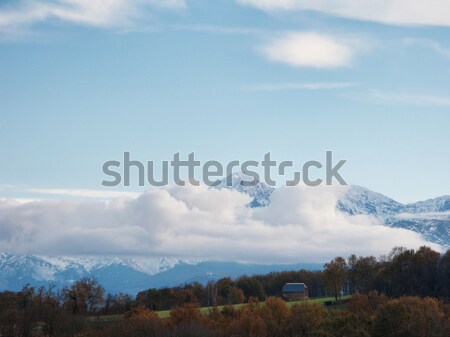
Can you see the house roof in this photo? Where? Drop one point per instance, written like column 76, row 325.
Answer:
column 294, row 288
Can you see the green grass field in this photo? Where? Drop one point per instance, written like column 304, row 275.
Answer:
column 205, row 310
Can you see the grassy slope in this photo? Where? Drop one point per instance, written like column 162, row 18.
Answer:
column 205, row 310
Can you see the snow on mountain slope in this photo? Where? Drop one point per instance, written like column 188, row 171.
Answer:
column 260, row 192
column 148, row 266
column 360, row 200
column 440, row 204
column 116, row 274
column 431, row 218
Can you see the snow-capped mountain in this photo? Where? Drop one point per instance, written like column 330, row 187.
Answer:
column 116, row 274
column 431, row 218
column 359, row 200
column 260, row 192
column 126, row 275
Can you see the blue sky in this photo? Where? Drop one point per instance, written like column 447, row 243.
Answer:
column 83, row 81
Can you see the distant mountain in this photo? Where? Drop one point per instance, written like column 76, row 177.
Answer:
column 359, row 200
column 260, row 192
column 128, row 275
column 116, row 274
column 431, row 218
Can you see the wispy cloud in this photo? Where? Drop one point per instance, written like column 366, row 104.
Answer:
column 308, row 49
column 84, row 193
column 215, row 29
column 99, row 13
column 73, row 193
column 429, row 44
column 402, row 98
column 299, row 86
column 399, row 12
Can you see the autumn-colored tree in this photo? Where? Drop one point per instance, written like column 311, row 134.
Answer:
column 275, row 314
column 359, row 304
column 335, row 275
column 344, row 324
column 140, row 312
column 306, row 319
column 229, row 311
column 408, row 317
column 376, row 300
column 248, row 324
column 187, row 312
column 236, row 295
column 139, row 322
column 366, row 306
column 253, row 304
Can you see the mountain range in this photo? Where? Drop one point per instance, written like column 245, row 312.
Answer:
column 430, row 218
column 123, row 275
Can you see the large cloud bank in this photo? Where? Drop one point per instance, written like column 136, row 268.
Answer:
column 300, row 225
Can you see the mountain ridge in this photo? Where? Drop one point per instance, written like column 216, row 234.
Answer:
column 117, row 277
column 430, row 218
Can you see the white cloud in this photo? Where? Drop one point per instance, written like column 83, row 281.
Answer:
column 397, row 12
column 300, row 86
column 74, row 193
column 301, row 225
column 101, row 13
column 309, row 50
column 84, row 193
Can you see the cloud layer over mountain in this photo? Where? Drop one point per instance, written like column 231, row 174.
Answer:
column 300, row 225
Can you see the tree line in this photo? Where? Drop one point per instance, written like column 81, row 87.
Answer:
column 384, row 287
column 422, row 272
